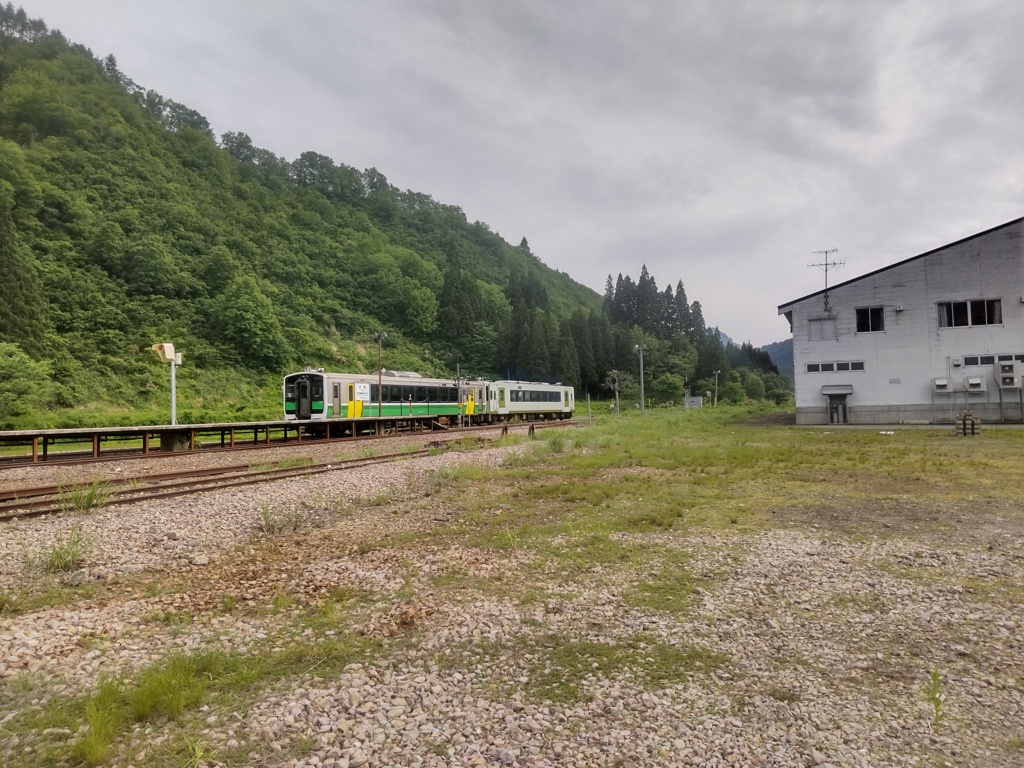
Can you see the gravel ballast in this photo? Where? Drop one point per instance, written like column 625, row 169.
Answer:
column 817, row 650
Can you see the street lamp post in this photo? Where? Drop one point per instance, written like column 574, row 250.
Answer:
column 379, row 337
column 640, row 348
column 716, row 386
column 168, row 355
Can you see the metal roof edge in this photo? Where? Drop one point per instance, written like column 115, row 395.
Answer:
column 782, row 307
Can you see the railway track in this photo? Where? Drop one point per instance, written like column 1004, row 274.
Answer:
column 20, row 503
column 85, row 457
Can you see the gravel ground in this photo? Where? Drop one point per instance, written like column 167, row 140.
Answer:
column 822, row 646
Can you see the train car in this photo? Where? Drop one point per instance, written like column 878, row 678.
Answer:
column 317, row 395
column 529, row 400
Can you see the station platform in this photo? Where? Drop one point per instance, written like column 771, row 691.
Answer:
column 39, row 445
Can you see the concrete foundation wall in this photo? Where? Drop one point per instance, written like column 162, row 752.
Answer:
column 989, row 413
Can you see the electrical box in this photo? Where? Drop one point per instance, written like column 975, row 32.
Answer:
column 975, row 383
column 941, row 384
column 1008, row 374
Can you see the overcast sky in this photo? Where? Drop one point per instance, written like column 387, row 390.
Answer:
column 720, row 143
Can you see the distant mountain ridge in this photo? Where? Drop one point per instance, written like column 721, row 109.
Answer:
column 781, row 353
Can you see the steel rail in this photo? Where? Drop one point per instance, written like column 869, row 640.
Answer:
column 181, row 484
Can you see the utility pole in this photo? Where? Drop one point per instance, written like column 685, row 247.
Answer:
column 826, row 265
column 716, row 386
column 379, row 337
column 640, row 348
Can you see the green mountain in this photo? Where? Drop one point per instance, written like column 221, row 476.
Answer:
column 125, row 222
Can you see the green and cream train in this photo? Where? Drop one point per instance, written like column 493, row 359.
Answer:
column 316, row 395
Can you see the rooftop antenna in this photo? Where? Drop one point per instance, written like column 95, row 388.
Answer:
column 826, row 265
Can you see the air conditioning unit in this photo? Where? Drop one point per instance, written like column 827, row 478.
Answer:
column 941, row 384
column 975, row 383
column 1008, row 374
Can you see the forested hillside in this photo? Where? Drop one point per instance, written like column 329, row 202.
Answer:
column 124, row 222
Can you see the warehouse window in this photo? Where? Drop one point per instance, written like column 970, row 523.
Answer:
column 870, row 319
column 820, row 328
column 958, row 314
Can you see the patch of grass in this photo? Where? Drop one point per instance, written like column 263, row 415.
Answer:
column 669, row 588
column 533, row 456
column 160, row 588
column 508, row 440
column 44, row 592
column 327, row 503
column 276, row 521
column 197, row 753
column 441, row 479
column 865, row 602
column 380, row 499
column 295, row 463
column 104, row 722
column 935, row 697
column 66, row 555
column 562, row 669
column 556, row 441
column 657, row 519
column 170, row 618
column 10, row 602
column 584, row 550
column 228, row 603
column 81, row 498
column 282, row 601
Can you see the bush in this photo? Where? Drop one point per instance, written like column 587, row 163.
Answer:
column 25, row 383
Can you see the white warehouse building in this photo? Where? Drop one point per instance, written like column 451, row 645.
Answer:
column 919, row 341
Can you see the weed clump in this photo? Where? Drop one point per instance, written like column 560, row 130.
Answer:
column 84, row 498
column 275, row 521
column 66, row 555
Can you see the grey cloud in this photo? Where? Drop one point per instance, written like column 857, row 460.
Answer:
column 719, row 143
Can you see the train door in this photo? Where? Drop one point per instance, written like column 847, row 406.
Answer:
column 336, row 399
column 351, row 409
column 304, row 406
column 501, row 399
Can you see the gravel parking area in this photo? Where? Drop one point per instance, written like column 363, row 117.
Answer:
column 799, row 648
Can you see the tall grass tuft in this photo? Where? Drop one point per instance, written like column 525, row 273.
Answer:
column 67, row 555
column 83, row 498
column 556, row 442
